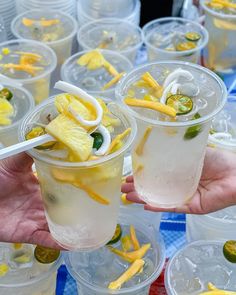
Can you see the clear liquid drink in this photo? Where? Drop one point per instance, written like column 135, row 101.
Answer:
column 169, row 151
column 30, row 63
column 81, row 199
column 220, row 22
column 24, row 274
column 172, row 38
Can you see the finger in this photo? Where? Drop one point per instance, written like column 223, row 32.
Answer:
column 130, row 178
column 127, row 187
column 133, row 197
column 44, row 238
column 183, row 209
column 18, row 163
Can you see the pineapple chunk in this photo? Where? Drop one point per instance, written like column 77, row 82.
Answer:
column 6, row 111
column 74, row 137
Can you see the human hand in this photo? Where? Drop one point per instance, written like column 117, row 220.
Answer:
column 216, row 189
column 22, row 215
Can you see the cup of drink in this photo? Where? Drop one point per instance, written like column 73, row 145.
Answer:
column 96, row 80
column 81, row 195
column 112, row 34
column 200, row 267
column 23, row 274
column 220, row 21
column 16, row 102
column 173, row 104
column 52, row 27
column 174, row 38
column 30, row 63
column 95, row 270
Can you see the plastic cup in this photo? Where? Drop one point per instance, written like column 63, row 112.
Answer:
column 161, row 36
column 59, row 37
column 93, row 80
column 93, row 271
column 197, row 264
column 39, row 82
column 220, row 53
column 38, row 279
column 218, row 225
column 167, row 171
column 23, row 103
column 77, row 221
column 113, row 34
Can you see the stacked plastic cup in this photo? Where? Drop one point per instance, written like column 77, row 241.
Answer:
column 94, row 9
column 7, row 13
column 68, row 6
column 113, row 34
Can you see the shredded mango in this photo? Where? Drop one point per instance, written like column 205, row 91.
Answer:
column 126, row 243
column 17, row 246
column 43, row 22
column 22, row 67
column 139, row 149
column 127, row 275
column 4, row 268
column 148, row 78
column 109, row 67
column 113, row 81
column 225, row 3
column 124, row 200
column 212, row 290
column 117, row 140
column 134, row 238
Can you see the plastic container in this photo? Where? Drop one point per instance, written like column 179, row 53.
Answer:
column 195, row 265
column 23, row 103
column 93, row 80
column 77, row 221
column 168, row 143
column 112, row 34
column 219, row 55
column 38, row 82
column 94, row 270
column 163, row 35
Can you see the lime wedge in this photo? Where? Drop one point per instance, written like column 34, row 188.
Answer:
column 117, row 235
column 229, row 250
column 46, row 255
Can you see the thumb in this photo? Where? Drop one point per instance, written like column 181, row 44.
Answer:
column 18, row 163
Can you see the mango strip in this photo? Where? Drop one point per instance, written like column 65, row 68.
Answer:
column 109, row 67
column 17, row 246
column 126, row 243
column 29, row 54
column 131, row 256
column 134, row 239
column 22, row 67
column 118, row 139
column 43, row 22
column 214, row 291
column 127, row 275
column 124, row 200
column 222, row 24
column 139, row 168
column 113, row 81
column 156, row 106
column 147, row 77
column 225, row 3
column 4, row 268
column 92, row 60
column 139, row 149
column 92, row 194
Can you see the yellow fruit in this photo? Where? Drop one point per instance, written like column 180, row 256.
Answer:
column 6, row 111
column 134, row 238
column 127, row 275
column 24, row 258
column 17, row 246
column 6, row 51
column 124, row 200
column 44, row 23
column 38, row 131
column 4, row 268
column 113, row 81
column 151, row 82
column 92, row 60
column 140, row 147
column 22, row 67
column 185, row 46
column 118, row 141
column 126, row 243
column 74, row 137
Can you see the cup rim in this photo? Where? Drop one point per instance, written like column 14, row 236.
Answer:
column 44, row 47
column 68, row 16
column 215, row 13
column 111, row 20
column 44, row 275
column 109, row 52
column 176, row 53
column 31, row 106
column 40, row 157
column 156, row 240
column 120, row 87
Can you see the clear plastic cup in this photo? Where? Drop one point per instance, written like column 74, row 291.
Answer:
column 220, row 55
column 36, row 82
column 93, row 271
column 218, row 225
column 23, row 103
column 165, row 39
column 93, row 80
column 195, row 265
column 77, row 221
column 112, row 34
column 35, row 279
column 167, row 171
column 58, row 36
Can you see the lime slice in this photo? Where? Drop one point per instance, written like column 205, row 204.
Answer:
column 192, row 36
column 6, row 93
column 193, row 131
column 117, row 235
column 184, row 46
column 181, row 103
column 46, row 255
column 229, row 250
column 38, row 131
column 98, row 140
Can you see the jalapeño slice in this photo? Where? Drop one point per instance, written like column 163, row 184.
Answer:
column 117, row 235
column 192, row 36
column 181, row 103
column 46, row 255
